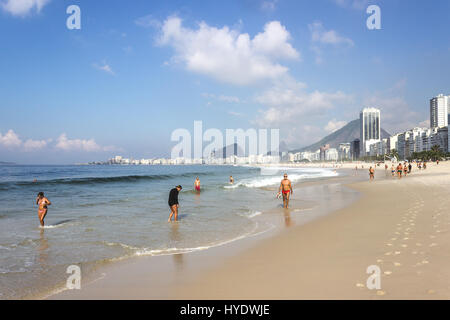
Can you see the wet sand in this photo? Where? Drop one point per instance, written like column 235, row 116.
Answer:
column 401, row 226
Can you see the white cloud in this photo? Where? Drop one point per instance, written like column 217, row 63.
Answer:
column 289, row 102
column 321, row 35
column 22, row 7
column 334, row 125
column 104, row 67
column 76, row 144
column 10, row 139
column 32, row 145
column 228, row 55
column 90, row 145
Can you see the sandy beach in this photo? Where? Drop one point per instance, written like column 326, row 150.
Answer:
column 400, row 225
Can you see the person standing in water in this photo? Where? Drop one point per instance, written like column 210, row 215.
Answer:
column 231, row 180
column 197, row 184
column 286, row 189
column 173, row 203
column 42, row 202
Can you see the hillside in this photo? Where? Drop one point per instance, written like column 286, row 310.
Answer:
column 347, row 133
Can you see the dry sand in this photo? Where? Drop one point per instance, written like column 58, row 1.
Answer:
column 400, row 225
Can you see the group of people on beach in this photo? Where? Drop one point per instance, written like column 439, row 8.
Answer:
column 285, row 189
column 401, row 170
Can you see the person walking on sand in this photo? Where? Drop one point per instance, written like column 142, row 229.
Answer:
column 286, row 190
column 173, row 203
column 371, row 173
column 393, row 170
column 409, row 167
column 405, row 169
column 42, row 202
column 197, row 184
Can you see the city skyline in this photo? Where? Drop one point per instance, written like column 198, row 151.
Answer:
column 128, row 78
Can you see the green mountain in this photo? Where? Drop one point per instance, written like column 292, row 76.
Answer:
column 347, row 133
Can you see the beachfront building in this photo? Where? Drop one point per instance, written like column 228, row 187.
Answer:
column 331, row 154
column 378, row 148
column 323, row 150
column 344, row 151
column 439, row 108
column 392, row 143
column 421, row 139
column 440, row 138
column 307, row 156
column 355, row 149
column 370, row 128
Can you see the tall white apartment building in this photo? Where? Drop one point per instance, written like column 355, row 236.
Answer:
column 370, row 128
column 439, row 107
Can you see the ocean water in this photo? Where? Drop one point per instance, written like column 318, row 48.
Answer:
column 101, row 214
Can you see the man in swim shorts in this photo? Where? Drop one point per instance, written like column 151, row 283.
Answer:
column 42, row 202
column 286, row 190
column 173, row 203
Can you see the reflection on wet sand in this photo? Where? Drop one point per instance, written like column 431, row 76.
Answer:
column 287, row 218
column 175, row 237
column 43, row 249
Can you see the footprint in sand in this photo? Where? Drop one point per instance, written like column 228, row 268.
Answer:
column 380, row 293
column 393, row 239
column 425, row 262
column 432, row 237
column 388, row 253
column 404, row 245
column 360, row 285
column 433, row 244
column 397, row 264
column 431, row 291
column 389, row 244
column 414, row 252
column 379, row 260
column 405, row 238
column 388, row 273
column 397, row 253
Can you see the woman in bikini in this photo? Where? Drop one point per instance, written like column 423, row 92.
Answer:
column 42, row 202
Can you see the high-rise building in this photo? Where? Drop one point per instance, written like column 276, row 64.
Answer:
column 370, row 128
column 439, row 108
column 355, row 149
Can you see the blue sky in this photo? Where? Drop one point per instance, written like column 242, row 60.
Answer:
column 137, row 70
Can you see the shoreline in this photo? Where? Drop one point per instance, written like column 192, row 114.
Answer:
column 402, row 226
column 167, row 265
